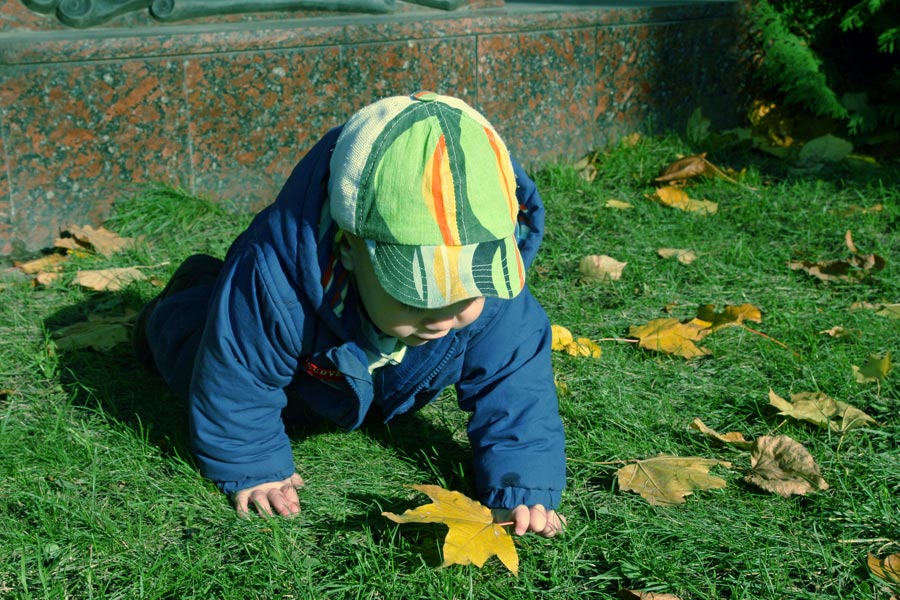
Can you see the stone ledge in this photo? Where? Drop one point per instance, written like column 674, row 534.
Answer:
column 227, row 109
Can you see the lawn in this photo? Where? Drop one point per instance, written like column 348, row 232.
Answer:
column 101, row 499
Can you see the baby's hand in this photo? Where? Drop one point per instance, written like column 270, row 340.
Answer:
column 278, row 495
column 538, row 519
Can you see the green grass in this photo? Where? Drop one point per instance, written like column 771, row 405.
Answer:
column 100, row 499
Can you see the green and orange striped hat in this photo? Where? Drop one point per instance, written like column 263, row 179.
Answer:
column 429, row 185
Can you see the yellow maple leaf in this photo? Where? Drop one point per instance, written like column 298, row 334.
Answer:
column 666, row 480
column 473, row 537
column 672, row 336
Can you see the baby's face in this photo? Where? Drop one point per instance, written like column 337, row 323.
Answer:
column 412, row 326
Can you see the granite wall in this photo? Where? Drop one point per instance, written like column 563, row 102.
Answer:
column 226, row 106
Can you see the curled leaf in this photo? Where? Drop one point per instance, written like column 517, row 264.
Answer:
column 685, row 168
column 473, row 537
column 102, row 240
column 783, row 466
column 734, row 439
column 564, row 341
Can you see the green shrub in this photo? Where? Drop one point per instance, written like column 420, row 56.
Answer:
column 833, row 58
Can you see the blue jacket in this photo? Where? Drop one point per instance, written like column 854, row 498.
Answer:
column 279, row 328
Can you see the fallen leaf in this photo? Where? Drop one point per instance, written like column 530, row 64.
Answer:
column 601, row 268
column 734, row 439
column 677, row 198
column 618, row 204
column 822, row 410
column 781, row 465
column 889, row 310
column 839, row 332
column 685, row 168
column 666, row 480
column 863, row 210
column 854, row 268
column 102, row 240
column 672, row 336
column 875, row 370
column 730, row 316
column 108, row 280
column 887, row 568
column 100, row 333
column 48, row 263
column 473, row 537
column 564, row 341
column 637, row 595
column 683, row 256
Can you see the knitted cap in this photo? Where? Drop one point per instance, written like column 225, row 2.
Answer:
column 429, row 185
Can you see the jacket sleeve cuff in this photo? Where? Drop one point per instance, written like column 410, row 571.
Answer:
column 231, row 487
column 511, row 497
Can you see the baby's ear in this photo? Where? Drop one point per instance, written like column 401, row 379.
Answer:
column 345, row 251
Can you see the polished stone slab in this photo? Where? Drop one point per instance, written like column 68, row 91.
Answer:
column 226, row 106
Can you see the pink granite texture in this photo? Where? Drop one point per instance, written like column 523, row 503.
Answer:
column 226, row 107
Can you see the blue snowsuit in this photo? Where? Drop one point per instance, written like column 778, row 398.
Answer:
column 282, row 326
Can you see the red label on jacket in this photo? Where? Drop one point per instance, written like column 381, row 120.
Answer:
column 321, row 373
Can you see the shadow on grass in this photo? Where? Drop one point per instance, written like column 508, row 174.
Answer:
column 134, row 396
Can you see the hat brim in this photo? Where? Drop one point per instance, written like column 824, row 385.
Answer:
column 438, row 276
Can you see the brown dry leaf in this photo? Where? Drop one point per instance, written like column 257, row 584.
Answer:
column 783, row 466
column 682, row 255
column 618, row 204
column 666, row 480
column 822, row 410
column 730, row 316
column 108, row 280
column 839, row 332
column 677, row 198
column 672, row 336
column 587, row 166
column 854, row 268
column 875, row 370
column 734, row 439
column 44, row 264
column 44, row 278
column 638, row 595
column 601, row 268
column 100, row 333
column 564, row 341
column 887, row 568
column 862, row 210
column 102, row 240
column 685, row 168
column 473, row 537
